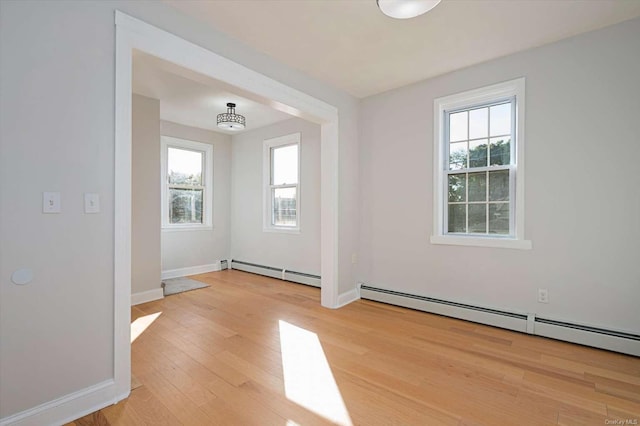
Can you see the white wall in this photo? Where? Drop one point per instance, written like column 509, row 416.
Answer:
column 57, row 134
column 249, row 243
column 582, row 204
column 145, row 196
column 185, row 249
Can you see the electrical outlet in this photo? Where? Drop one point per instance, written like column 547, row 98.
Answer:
column 543, row 295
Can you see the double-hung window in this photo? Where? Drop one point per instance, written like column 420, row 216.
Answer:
column 187, row 184
column 478, row 162
column 282, row 183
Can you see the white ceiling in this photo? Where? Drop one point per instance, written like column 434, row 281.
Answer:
column 192, row 99
column 351, row 45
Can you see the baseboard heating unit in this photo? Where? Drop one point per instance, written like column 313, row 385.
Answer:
column 612, row 340
column 280, row 273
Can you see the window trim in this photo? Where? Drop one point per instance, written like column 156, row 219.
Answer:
column 267, row 170
column 485, row 95
column 207, row 171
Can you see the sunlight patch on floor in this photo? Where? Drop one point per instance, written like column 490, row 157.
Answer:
column 308, row 380
column 140, row 325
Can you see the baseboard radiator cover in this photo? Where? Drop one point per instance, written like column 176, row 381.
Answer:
column 280, row 273
column 612, row 340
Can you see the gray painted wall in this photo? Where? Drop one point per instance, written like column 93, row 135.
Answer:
column 582, row 204
column 145, row 194
column 298, row 252
column 57, row 134
column 184, row 249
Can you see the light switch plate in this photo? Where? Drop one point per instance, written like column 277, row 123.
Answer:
column 51, row 202
column 91, row 202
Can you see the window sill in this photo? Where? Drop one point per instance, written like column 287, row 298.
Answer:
column 508, row 243
column 187, row 228
column 281, row 230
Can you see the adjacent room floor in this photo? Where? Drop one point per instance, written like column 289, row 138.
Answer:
column 251, row 350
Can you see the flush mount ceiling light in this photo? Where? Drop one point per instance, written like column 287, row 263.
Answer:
column 404, row 9
column 230, row 120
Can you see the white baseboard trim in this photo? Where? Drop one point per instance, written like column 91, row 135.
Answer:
column 67, row 408
column 190, row 270
column 147, row 296
column 348, row 297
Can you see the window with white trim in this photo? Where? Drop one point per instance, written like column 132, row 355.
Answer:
column 187, row 184
column 281, row 163
column 478, row 163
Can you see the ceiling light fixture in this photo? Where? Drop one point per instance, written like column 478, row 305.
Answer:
column 404, row 9
column 230, row 120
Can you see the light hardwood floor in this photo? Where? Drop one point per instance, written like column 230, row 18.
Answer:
column 214, row 357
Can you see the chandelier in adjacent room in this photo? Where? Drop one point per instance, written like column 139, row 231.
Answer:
column 230, row 120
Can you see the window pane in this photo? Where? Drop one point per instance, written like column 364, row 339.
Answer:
column 185, row 205
column 184, row 166
column 284, row 163
column 478, row 153
column 498, row 185
column 500, row 118
column 284, row 207
column 499, row 218
column 478, row 218
column 479, row 123
column 458, row 126
column 478, row 186
column 458, row 156
column 457, row 218
column 457, row 185
column 500, row 151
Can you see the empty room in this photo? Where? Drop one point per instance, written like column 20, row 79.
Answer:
column 310, row 212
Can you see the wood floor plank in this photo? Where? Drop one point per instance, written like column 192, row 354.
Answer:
column 213, row 357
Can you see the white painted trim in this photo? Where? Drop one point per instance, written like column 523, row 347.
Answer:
column 190, row 270
column 122, row 213
column 147, row 296
column 67, row 408
column 132, row 33
column 482, row 242
column 348, row 297
column 207, row 149
column 505, row 89
column 329, row 214
column 136, row 34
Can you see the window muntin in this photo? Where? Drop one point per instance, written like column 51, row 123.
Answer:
column 282, row 199
column 187, row 186
column 479, row 169
column 478, row 193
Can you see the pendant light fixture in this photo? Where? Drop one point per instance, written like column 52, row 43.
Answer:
column 230, row 120
column 404, row 9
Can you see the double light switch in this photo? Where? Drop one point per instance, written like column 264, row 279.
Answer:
column 51, row 202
